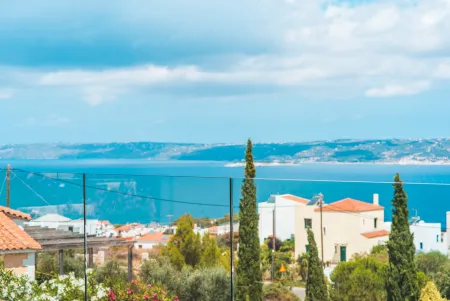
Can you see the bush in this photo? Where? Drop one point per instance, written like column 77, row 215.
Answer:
column 206, row 284
column 361, row 279
column 111, row 274
column 158, row 269
column 277, row 292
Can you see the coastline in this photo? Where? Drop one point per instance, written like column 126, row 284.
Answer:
column 272, row 164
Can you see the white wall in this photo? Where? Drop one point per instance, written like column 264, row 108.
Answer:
column 285, row 222
column 427, row 237
column 341, row 229
column 29, row 263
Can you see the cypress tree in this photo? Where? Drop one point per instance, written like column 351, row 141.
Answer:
column 316, row 286
column 402, row 281
column 249, row 277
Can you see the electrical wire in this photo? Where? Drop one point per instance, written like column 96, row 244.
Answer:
column 331, row 205
column 29, row 187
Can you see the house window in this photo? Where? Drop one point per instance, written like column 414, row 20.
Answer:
column 421, row 245
column 324, row 231
column 307, row 249
column 71, row 229
column 364, row 221
column 437, row 238
column 308, row 223
column 140, row 246
column 335, row 249
column 375, row 223
column 442, row 237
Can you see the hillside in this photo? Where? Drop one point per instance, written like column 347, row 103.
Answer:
column 426, row 151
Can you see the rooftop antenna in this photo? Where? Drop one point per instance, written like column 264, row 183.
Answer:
column 416, row 217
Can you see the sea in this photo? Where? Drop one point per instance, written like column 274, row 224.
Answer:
column 144, row 191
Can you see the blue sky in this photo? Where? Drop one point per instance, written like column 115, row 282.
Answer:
column 222, row 71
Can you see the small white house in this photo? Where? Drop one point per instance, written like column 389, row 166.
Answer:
column 56, row 221
column 284, row 208
column 150, row 240
column 17, row 247
column 427, row 236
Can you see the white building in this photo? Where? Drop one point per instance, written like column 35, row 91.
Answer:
column 56, row 221
column 349, row 227
column 428, row 236
column 150, row 240
column 17, row 247
column 284, row 206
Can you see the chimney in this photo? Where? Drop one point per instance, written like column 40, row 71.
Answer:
column 375, row 199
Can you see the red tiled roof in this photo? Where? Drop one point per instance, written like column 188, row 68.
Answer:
column 14, row 213
column 350, row 205
column 295, row 198
column 374, row 234
column 13, row 237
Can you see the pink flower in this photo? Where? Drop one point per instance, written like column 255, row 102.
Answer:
column 149, row 286
column 146, row 297
column 133, row 282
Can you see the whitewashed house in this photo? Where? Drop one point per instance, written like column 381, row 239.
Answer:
column 56, row 221
column 349, row 227
column 17, row 247
column 150, row 240
column 284, row 208
column 428, row 236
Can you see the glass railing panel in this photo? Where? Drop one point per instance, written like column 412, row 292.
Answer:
column 159, row 236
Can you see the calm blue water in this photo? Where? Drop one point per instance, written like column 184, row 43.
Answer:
column 144, row 191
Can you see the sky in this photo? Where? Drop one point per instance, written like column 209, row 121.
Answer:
column 222, row 71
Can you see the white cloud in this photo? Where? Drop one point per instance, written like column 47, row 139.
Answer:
column 363, row 47
column 398, row 90
column 6, row 93
column 443, row 70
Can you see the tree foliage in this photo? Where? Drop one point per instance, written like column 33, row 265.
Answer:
column 430, row 293
column 185, row 246
column 211, row 252
column 249, row 277
column 401, row 282
column 269, row 243
column 361, row 279
column 316, row 286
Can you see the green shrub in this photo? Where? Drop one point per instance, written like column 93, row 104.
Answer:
column 206, row 284
column 111, row 274
column 278, row 292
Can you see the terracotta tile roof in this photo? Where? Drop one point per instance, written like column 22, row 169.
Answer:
column 295, row 198
column 350, row 205
column 378, row 233
column 124, row 228
column 155, row 237
column 15, row 213
column 13, row 237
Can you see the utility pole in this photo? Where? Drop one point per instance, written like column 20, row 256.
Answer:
column 321, row 225
column 8, row 186
column 274, row 219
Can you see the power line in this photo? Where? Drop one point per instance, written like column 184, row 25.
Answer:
column 126, row 194
column 32, row 190
column 331, row 205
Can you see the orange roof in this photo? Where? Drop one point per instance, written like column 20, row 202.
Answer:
column 295, row 198
column 14, row 213
column 350, row 205
column 156, row 236
column 13, row 237
column 374, row 234
column 124, row 228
